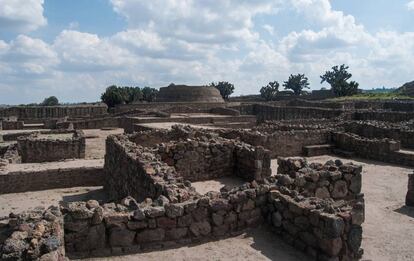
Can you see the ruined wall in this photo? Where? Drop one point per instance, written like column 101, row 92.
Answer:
column 281, row 143
column 165, row 106
column 378, row 149
column 267, row 112
column 197, row 160
column 381, row 130
column 13, row 125
column 132, row 170
column 330, row 180
column 324, row 229
column 90, row 123
column 39, row 112
column 33, row 148
column 94, row 230
column 383, row 116
column 22, row 181
column 33, row 235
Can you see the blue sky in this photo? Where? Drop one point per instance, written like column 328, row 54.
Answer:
column 75, row 48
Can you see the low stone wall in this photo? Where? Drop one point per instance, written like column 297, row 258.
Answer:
column 378, row 149
column 22, row 181
column 33, row 235
column 164, row 106
column 132, row 170
column 113, row 229
column 90, row 123
column 381, row 130
column 13, row 125
column 40, row 112
column 225, row 111
column 36, row 149
column 331, row 180
column 11, row 154
column 197, row 160
column 409, row 198
column 281, row 143
column 383, row 116
column 267, row 112
column 324, row 229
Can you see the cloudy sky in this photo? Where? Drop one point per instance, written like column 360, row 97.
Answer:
column 75, row 48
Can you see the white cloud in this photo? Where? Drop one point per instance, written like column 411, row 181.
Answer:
column 410, row 5
column 21, row 15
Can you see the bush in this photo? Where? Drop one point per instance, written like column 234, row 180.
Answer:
column 50, row 101
column 270, row 91
column 338, row 79
column 296, row 83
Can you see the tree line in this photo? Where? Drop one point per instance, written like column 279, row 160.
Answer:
column 338, row 78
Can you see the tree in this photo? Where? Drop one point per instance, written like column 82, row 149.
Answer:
column 296, row 83
column 133, row 94
column 149, row 94
column 225, row 89
column 270, row 91
column 50, row 101
column 338, row 79
column 113, row 96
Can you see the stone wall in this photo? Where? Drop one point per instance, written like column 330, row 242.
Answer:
column 409, row 198
column 99, row 123
column 225, row 111
column 132, row 170
column 197, row 160
column 383, row 116
column 324, row 229
column 112, row 229
column 267, row 112
column 13, row 125
column 281, row 143
column 331, row 180
column 33, row 235
column 381, row 130
column 378, row 149
column 22, row 181
column 34, row 148
column 40, row 112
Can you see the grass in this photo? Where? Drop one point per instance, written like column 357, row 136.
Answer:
column 374, row 96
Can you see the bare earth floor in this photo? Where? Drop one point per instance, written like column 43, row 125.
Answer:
column 95, row 142
column 388, row 228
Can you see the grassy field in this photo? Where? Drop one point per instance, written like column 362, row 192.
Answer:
column 374, row 96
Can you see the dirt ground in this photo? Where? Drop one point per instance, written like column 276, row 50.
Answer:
column 388, row 228
column 95, row 142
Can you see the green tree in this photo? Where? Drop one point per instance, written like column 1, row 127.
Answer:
column 133, row 94
column 296, row 83
column 113, row 96
column 270, row 91
column 225, row 89
column 50, row 101
column 338, row 79
column 149, row 94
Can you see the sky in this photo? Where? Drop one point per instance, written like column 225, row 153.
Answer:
column 74, row 49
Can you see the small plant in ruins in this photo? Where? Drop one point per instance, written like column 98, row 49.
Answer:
column 338, row 79
column 50, row 101
column 225, row 89
column 296, row 83
column 270, row 91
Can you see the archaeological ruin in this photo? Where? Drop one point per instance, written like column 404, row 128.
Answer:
column 154, row 164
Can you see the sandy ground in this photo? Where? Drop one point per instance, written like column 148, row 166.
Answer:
column 388, row 228
column 203, row 187
column 168, row 125
column 95, row 142
column 77, row 163
column 18, row 202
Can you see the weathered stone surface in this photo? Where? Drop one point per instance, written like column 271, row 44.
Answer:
column 121, row 237
column 151, row 235
column 322, row 193
column 154, row 212
column 165, row 222
column 200, row 228
column 332, row 247
column 176, row 233
column 340, row 189
column 174, row 210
